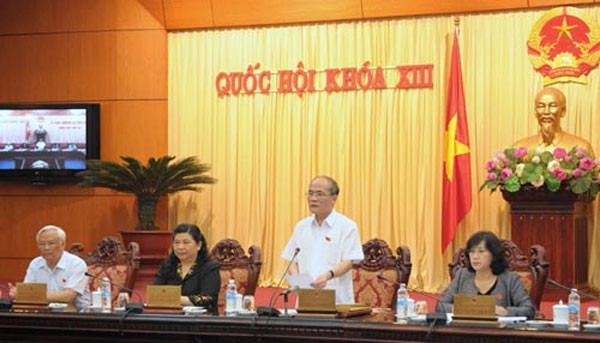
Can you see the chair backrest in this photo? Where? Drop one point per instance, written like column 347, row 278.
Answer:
column 533, row 271
column 368, row 288
column 235, row 264
column 111, row 260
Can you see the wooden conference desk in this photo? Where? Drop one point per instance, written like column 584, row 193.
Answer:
column 88, row 327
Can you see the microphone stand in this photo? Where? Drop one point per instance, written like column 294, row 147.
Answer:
column 270, row 311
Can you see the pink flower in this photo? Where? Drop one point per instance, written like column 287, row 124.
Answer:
column 520, row 152
column 505, row 173
column 586, row 163
column 501, row 155
column 491, row 165
column 569, row 159
column 559, row 153
column 580, row 152
column 491, row 176
column 577, row 172
column 559, row 173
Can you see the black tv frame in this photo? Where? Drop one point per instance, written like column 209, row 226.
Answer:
column 44, row 176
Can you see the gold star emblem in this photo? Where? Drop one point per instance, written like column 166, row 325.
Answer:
column 452, row 148
column 564, row 29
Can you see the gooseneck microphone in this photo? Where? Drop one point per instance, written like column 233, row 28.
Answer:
column 130, row 307
column 560, row 285
column 269, row 311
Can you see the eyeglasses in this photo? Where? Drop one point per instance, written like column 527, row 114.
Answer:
column 318, row 195
column 47, row 244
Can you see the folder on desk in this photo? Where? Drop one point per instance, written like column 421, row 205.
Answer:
column 474, row 307
column 31, row 294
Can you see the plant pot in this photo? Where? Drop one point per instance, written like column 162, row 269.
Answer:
column 154, row 248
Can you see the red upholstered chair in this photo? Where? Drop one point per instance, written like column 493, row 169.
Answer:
column 368, row 288
column 111, row 260
column 533, row 271
column 235, row 264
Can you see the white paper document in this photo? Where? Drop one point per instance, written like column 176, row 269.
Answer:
column 302, row 280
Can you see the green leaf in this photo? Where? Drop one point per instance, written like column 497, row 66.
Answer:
column 512, row 183
column 581, row 184
column 532, row 172
column 552, row 183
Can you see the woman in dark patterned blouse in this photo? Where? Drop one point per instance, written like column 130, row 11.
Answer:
column 188, row 265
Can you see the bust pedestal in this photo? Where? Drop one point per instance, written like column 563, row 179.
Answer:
column 558, row 221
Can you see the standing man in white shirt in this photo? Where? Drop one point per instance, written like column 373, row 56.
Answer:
column 328, row 242
column 63, row 272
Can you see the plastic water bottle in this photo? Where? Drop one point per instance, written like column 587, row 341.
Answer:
column 106, row 303
column 574, row 310
column 230, row 298
column 401, row 302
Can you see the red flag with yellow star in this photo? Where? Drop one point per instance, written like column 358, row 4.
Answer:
column 457, row 165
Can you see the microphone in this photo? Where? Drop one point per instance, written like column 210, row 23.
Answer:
column 269, row 311
column 559, row 285
column 290, row 290
column 5, row 304
column 437, row 317
column 130, row 307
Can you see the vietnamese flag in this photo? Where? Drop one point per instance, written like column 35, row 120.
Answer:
column 457, row 165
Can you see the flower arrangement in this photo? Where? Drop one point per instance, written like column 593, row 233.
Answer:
column 514, row 167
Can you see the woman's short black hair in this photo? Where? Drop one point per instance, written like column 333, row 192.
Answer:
column 493, row 245
column 196, row 234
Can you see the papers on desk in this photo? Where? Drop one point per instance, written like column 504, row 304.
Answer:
column 512, row 319
column 302, row 280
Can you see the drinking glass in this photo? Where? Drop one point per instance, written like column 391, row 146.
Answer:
column 122, row 300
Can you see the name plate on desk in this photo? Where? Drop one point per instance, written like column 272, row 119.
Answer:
column 316, row 301
column 160, row 296
column 31, row 293
column 469, row 306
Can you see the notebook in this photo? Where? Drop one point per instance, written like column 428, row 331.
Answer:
column 162, row 296
column 31, row 294
column 316, row 301
column 470, row 306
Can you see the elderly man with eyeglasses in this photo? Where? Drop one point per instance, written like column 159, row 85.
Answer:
column 326, row 243
column 63, row 272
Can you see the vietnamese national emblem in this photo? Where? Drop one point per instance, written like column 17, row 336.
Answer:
column 564, row 45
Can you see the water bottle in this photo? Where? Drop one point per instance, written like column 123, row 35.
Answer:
column 401, row 302
column 106, row 303
column 574, row 310
column 230, row 298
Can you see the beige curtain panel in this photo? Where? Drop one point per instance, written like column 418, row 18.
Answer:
column 384, row 147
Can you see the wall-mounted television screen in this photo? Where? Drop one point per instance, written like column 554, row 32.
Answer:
column 47, row 142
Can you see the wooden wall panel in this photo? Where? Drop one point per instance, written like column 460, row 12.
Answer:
column 155, row 8
column 13, row 269
column 134, row 128
column 73, row 66
column 47, row 16
column 265, row 12
column 542, row 3
column 378, row 8
column 141, row 65
column 183, row 14
column 199, row 14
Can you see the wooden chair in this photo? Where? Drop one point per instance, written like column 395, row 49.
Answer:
column 533, row 271
column 110, row 260
column 235, row 264
column 368, row 288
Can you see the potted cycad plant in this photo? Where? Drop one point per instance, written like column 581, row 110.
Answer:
column 160, row 176
column 148, row 183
